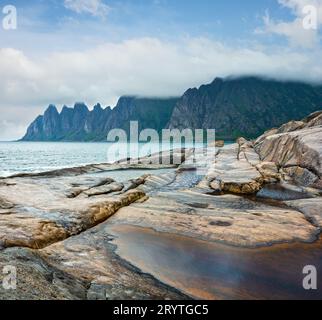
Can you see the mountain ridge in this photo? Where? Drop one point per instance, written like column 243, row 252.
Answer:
column 245, row 106
column 81, row 124
column 240, row 106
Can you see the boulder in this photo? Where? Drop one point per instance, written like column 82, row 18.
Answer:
column 233, row 173
column 269, row 171
column 316, row 121
column 297, row 151
column 291, row 126
column 217, row 144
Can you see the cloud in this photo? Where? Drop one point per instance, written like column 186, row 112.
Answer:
column 141, row 66
column 11, row 130
column 92, row 7
column 13, row 121
column 296, row 31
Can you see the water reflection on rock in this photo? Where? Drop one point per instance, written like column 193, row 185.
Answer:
column 215, row 271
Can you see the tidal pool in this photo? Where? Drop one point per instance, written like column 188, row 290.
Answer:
column 206, row 270
column 282, row 192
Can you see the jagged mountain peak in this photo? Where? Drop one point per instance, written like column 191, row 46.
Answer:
column 66, row 108
column 98, row 107
column 80, row 107
column 244, row 106
column 51, row 109
column 80, row 124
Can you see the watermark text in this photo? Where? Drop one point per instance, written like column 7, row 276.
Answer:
column 9, row 278
column 310, row 281
column 310, row 20
column 9, row 18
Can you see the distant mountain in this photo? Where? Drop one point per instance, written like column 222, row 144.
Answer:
column 245, row 106
column 80, row 124
column 234, row 107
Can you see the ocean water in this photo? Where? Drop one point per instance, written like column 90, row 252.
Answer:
column 27, row 157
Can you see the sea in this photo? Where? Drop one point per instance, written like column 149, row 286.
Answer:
column 34, row 157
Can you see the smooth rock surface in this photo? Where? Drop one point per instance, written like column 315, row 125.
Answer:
column 311, row 208
column 234, row 173
column 226, row 219
column 295, row 149
column 36, row 212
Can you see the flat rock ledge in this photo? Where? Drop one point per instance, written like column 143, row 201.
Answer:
column 311, row 208
column 228, row 219
column 25, row 229
column 237, row 169
column 291, row 153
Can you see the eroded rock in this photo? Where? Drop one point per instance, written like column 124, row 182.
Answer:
column 38, row 213
column 296, row 148
column 242, row 222
column 232, row 172
column 311, row 208
column 90, row 258
column 269, row 172
column 4, row 204
column 37, row 280
column 105, row 189
column 217, row 144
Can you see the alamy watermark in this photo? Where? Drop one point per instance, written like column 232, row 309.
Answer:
column 310, row 281
column 9, row 278
column 9, row 18
column 310, row 17
column 168, row 147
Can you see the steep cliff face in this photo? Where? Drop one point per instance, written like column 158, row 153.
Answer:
column 95, row 123
column 234, row 107
column 150, row 113
column 80, row 124
column 245, row 106
column 46, row 127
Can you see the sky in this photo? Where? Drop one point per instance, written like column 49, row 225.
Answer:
column 67, row 51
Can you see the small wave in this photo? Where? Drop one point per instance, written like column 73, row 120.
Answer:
column 5, row 174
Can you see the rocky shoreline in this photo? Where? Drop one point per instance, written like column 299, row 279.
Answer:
column 56, row 227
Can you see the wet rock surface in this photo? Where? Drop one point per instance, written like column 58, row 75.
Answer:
column 209, row 270
column 226, row 219
column 311, row 208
